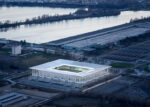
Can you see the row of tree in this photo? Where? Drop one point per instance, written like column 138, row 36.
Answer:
column 49, row 19
column 111, row 4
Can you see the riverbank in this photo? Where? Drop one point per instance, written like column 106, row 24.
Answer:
column 123, row 5
column 79, row 14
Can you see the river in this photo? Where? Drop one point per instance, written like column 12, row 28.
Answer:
column 21, row 13
column 53, row 31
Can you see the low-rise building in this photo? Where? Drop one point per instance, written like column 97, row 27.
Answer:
column 11, row 98
column 16, row 50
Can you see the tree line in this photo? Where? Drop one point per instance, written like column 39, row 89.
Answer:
column 79, row 14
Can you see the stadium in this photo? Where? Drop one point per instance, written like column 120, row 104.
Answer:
column 69, row 73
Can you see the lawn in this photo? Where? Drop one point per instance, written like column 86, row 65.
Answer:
column 11, row 64
column 4, row 51
column 129, row 71
column 122, row 65
column 146, row 68
column 39, row 58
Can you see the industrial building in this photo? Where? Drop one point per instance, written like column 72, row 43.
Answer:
column 101, row 37
column 69, row 73
column 23, row 98
column 139, row 52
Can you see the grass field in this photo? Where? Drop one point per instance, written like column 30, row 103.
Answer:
column 71, row 68
column 5, row 51
column 39, row 58
column 23, row 63
column 121, row 65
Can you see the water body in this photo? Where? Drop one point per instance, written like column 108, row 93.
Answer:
column 53, row 31
column 21, row 13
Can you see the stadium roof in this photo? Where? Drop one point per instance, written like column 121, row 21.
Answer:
column 51, row 67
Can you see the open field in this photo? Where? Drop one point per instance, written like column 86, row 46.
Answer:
column 121, row 65
column 22, row 63
column 38, row 58
column 4, row 51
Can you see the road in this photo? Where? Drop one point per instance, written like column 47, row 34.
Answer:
column 97, row 85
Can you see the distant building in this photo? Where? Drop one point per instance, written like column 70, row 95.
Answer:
column 4, row 41
column 11, row 98
column 16, row 50
column 50, row 51
column 36, row 48
column 15, row 99
column 69, row 73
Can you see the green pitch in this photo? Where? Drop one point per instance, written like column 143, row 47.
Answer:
column 71, row 68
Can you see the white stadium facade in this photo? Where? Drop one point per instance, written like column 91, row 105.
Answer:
column 69, row 73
